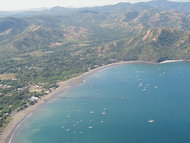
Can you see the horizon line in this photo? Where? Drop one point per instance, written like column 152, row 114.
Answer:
column 74, row 7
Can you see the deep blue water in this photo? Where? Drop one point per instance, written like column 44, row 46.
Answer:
column 114, row 106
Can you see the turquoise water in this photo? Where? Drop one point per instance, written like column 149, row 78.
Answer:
column 114, row 106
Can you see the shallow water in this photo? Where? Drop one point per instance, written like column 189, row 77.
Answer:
column 114, row 106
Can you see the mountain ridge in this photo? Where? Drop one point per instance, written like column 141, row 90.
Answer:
column 154, row 4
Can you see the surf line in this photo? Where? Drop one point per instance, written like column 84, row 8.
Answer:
column 13, row 134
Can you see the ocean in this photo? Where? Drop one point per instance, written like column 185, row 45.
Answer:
column 128, row 103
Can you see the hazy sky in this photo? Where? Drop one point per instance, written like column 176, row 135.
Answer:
column 27, row 4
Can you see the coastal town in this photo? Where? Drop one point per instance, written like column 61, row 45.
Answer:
column 17, row 94
column 30, row 93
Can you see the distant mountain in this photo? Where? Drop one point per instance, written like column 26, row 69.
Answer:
column 182, row 7
column 4, row 13
column 153, row 31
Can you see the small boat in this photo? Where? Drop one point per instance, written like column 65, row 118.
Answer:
column 68, row 130
column 91, row 112
column 151, row 121
column 123, row 98
column 90, row 127
column 74, row 125
column 103, row 113
column 141, row 84
column 144, row 89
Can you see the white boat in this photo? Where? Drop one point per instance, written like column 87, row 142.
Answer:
column 144, row 89
column 68, row 130
column 141, row 84
column 151, row 121
column 103, row 113
column 74, row 125
column 91, row 112
column 90, row 127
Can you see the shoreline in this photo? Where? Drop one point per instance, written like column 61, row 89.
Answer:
column 19, row 117
column 173, row 61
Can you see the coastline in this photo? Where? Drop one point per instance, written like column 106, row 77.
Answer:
column 19, row 117
column 173, row 61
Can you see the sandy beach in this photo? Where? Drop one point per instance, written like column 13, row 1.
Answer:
column 19, row 117
column 171, row 61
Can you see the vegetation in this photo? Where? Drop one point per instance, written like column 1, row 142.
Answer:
column 41, row 48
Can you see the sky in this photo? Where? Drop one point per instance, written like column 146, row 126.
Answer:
column 12, row 5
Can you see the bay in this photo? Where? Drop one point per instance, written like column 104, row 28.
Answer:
column 129, row 103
